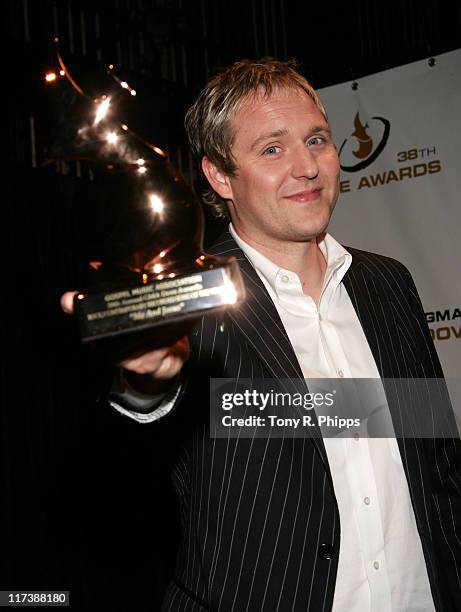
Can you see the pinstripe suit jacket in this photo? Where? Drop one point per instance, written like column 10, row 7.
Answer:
column 258, row 515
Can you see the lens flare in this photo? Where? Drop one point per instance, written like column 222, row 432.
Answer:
column 102, row 110
column 111, row 137
column 156, row 203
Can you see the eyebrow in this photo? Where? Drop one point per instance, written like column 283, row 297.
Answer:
column 283, row 132
column 268, row 136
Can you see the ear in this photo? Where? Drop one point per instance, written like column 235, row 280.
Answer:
column 218, row 179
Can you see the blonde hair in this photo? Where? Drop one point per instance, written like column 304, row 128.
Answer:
column 208, row 121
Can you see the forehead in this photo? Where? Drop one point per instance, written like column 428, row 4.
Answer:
column 279, row 109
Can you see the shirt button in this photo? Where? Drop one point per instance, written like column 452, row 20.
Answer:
column 340, row 374
column 285, row 278
column 366, row 501
column 376, row 565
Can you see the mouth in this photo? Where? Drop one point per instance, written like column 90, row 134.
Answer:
column 305, row 196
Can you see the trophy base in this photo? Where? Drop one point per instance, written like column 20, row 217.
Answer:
column 126, row 321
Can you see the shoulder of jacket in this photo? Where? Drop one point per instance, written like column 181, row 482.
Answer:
column 376, row 262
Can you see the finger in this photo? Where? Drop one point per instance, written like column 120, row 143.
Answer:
column 67, row 302
column 162, row 363
column 146, row 363
column 169, row 367
column 174, row 360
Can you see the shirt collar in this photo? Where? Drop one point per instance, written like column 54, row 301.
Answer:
column 337, row 258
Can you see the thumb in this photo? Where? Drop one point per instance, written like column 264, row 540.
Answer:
column 67, row 301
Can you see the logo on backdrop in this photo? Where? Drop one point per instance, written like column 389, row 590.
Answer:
column 370, row 146
column 445, row 324
column 366, row 143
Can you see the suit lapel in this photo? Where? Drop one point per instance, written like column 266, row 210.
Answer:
column 257, row 317
column 258, row 320
column 374, row 312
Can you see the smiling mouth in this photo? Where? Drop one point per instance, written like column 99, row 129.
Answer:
column 305, row 196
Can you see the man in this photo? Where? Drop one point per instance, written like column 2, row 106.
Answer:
column 297, row 524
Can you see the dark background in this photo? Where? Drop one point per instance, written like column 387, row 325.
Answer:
column 82, row 502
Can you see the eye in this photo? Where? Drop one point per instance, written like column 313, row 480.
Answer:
column 272, row 150
column 316, row 140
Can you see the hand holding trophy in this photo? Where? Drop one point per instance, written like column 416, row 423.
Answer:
column 150, row 279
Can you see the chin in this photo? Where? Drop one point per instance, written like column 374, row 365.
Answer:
column 306, row 236
column 312, row 230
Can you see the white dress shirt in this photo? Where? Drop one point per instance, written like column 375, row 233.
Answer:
column 381, row 564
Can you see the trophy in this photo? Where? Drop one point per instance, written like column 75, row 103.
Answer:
column 150, row 279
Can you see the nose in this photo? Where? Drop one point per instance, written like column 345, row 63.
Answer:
column 304, row 163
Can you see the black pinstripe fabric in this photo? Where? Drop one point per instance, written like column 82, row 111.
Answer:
column 255, row 512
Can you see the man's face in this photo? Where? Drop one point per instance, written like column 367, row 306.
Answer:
column 287, row 178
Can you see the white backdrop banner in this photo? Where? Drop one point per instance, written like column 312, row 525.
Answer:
column 399, row 137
